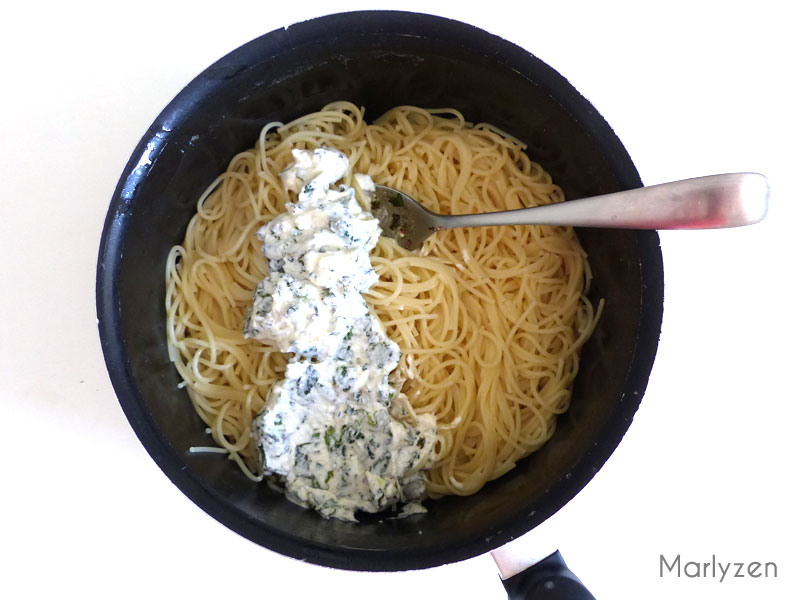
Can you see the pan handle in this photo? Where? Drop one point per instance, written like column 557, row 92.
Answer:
column 549, row 579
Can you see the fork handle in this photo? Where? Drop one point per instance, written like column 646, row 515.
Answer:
column 710, row 202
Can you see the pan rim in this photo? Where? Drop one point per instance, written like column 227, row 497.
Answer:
column 115, row 349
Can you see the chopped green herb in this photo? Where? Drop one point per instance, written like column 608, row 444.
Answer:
column 397, row 200
column 330, row 440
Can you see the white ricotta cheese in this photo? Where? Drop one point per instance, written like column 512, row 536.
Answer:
column 327, row 429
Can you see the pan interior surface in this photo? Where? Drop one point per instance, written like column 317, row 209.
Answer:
column 377, row 60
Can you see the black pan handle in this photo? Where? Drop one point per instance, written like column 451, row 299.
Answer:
column 549, row 579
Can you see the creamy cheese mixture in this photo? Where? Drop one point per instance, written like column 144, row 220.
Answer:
column 329, row 428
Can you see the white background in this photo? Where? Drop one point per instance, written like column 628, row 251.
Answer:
column 708, row 466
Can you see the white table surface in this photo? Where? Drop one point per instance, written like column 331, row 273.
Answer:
column 708, row 466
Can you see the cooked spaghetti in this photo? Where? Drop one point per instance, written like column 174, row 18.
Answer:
column 489, row 321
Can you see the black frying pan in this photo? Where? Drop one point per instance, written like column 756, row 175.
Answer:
column 378, row 60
